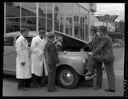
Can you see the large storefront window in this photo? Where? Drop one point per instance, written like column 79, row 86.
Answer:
column 61, row 18
column 68, row 18
column 76, row 20
column 28, row 15
column 49, row 25
column 49, row 10
column 82, row 24
column 12, row 24
column 42, row 16
column 42, row 10
column 56, row 17
column 86, row 25
column 12, row 17
column 29, row 22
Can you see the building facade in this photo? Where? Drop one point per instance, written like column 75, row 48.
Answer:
column 68, row 18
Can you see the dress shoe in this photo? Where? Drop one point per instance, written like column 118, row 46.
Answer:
column 109, row 90
column 89, row 77
column 97, row 87
column 53, row 90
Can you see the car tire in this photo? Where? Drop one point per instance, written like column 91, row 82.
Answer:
column 67, row 77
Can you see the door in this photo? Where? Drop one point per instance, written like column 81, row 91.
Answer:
column 9, row 54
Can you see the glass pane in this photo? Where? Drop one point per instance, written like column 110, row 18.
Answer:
column 56, row 12
column 49, row 25
column 12, row 24
column 8, row 41
column 76, row 11
column 42, row 23
column 76, row 30
column 56, row 24
column 29, row 22
column 61, row 26
column 49, row 10
column 28, row 9
column 68, row 18
column 12, row 9
column 42, row 9
column 86, row 32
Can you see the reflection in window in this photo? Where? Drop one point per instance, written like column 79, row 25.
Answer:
column 29, row 22
column 42, row 9
column 56, row 24
column 28, row 9
column 42, row 24
column 61, row 16
column 56, row 17
column 76, row 13
column 86, row 32
column 61, row 26
column 76, row 27
column 12, row 24
column 12, row 9
column 49, row 10
column 8, row 41
column 56, row 12
column 68, row 18
column 49, row 25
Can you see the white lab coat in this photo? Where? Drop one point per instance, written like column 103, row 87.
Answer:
column 22, row 72
column 37, row 60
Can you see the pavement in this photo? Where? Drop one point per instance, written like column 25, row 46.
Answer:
column 10, row 84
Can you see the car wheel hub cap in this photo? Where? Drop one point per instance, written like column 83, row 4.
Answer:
column 67, row 78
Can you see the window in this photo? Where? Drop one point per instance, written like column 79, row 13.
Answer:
column 49, row 10
column 8, row 41
column 28, row 15
column 12, row 17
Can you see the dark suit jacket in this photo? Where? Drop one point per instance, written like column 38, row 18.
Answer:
column 94, row 43
column 106, row 49
column 51, row 54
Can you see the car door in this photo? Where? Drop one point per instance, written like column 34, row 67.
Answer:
column 9, row 54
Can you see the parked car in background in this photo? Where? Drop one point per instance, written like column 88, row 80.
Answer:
column 69, row 70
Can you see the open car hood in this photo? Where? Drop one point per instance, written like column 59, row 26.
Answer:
column 71, row 43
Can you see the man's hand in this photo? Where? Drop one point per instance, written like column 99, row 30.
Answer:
column 22, row 63
column 90, row 53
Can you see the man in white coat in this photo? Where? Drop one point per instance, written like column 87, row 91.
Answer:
column 37, row 47
column 23, row 72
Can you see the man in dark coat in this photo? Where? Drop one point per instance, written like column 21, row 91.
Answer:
column 98, row 65
column 107, row 57
column 51, row 61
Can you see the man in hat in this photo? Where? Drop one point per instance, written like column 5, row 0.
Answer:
column 51, row 61
column 106, row 57
column 98, row 65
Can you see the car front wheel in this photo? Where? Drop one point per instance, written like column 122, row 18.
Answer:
column 67, row 77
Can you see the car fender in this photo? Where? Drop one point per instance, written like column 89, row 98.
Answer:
column 76, row 64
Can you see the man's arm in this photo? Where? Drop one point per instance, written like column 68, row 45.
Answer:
column 100, row 46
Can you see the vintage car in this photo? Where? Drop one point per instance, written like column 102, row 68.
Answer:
column 70, row 68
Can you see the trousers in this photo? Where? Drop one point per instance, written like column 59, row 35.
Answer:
column 51, row 77
column 109, row 70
